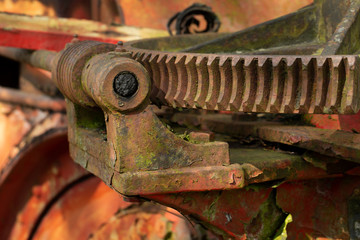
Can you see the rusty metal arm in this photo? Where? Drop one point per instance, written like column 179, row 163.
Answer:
column 41, row 58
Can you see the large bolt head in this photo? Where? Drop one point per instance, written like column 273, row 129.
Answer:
column 125, row 84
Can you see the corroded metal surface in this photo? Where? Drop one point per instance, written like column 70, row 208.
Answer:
column 148, row 221
column 328, row 210
column 40, row 59
column 119, row 138
column 329, row 142
column 31, row 176
column 37, row 176
column 257, row 214
column 275, row 84
column 71, row 63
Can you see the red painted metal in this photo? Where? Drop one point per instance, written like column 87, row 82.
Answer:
column 231, row 212
column 42, row 40
column 320, row 208
column 350, row 123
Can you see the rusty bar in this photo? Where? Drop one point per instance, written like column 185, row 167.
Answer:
column 41, row 32
column 234, row 176
column 40, row 58
column 332, row 143
column 31, row 100
column 329, row 142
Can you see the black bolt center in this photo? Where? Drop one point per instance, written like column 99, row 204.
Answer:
column 125, row 84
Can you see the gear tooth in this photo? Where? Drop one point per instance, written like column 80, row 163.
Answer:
column 237, row 89
column 188, row 59
column 199, row 59
column 307, row 84
column 248, row 60
column 342, row 72
column 276, row 60
column 179, row 57
column 300, row 97
column 331, row 95
column 350, row 96
column 190, row 94
column 351, row 60
column 211, row 59
column 143, row 59
column 182, row 81
column 264, row 72
column 203, row 82
column 320, row 61
column 139, row 56
column 290, row 60
column 164, row 78
column 222, row 60
column 214, row 82
column 226, row 82
column 306, row 60
column 173, row 80
column 291, row 85
column 169, row 58
column 153, row 58
column 320, row 85
column 261, row 60
column 336, row 60
column 161, row 57
column 134, row 54
column 250, row 72
column 146, row 57
column 235, row 60
column 277, row 85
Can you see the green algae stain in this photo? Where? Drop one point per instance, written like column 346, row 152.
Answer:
column 143, row 162
column 282, row 234
column 210, row 212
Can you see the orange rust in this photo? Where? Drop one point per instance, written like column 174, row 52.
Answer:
column 80, row 211
column 27, row 7
column 146, row 221
column 234, row 15
column 13, row 127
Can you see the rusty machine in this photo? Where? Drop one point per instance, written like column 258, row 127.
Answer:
column 216, row 125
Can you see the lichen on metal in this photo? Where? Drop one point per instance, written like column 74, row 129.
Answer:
column 116, row 133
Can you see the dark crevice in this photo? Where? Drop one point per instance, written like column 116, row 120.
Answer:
column 281, row 221
column 9, row 73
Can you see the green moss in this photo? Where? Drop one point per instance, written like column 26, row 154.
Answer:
column 185, row 136
column 90, row 118
column 318, row 52
column 210, row 212
column 143, row 162
column 281, row 234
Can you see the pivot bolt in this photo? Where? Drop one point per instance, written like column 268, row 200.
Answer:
column 119, row 47
column 125, row 84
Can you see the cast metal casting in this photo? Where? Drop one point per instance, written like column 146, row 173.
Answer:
column 115, row 133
